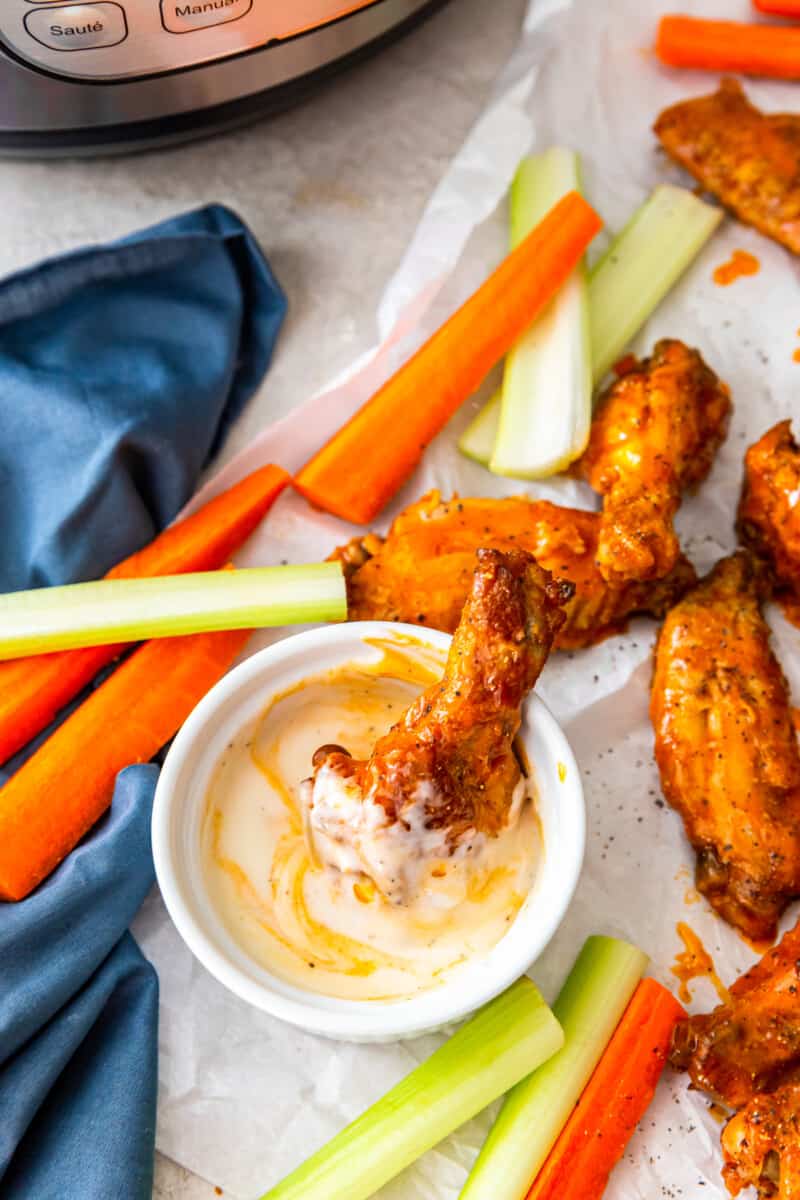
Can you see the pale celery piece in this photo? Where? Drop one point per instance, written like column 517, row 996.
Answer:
column 496, row 1048
column 626, row 285
column 130, row 610
column 546, row 393
column 641, row 265
column 589, row 1007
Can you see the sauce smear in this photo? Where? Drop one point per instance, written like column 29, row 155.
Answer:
column 694, row 962
column 740, row 263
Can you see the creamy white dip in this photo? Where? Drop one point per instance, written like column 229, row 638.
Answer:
column 328, row 928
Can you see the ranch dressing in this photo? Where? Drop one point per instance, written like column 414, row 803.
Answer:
column 332, row 931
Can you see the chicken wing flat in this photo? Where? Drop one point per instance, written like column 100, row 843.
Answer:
column 447, row 770
column 748, row 159
column 422, row 571
column 655, row 434
column 752, row 1043
column 761, row 1145
column 769, row 510
column 726, row 747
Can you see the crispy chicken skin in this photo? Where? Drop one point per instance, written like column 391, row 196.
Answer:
column 448, row 765
column 748, row 159
column 769, row 510
column 422, row 571
column 752, row 1043
column 726, row 747
column 655, row 434
column 761, row 1145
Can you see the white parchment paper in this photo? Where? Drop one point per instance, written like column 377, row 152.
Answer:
column 244, row 1098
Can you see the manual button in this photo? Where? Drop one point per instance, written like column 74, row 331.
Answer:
column 78, row 26
column 183, row 16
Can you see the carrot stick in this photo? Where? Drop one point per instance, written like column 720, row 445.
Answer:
column 770, row 50
column 364, row 464
column 33, row 689
column 780, row 8
column 59, row 793
column 613, row 1101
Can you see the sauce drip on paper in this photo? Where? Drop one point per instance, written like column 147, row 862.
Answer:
column 739, row 264
column 694, row 962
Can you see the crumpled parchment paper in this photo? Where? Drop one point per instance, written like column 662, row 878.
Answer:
column 244, row 1098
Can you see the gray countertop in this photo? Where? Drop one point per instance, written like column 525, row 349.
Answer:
column 332, row 189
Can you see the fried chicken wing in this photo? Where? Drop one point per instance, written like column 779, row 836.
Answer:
column 750, row 160
column 447, row 771
column 752, row 1043
column 726, row 747
column 422, row 571
column 655, row 434
column 769, row 510
column 761, row 1145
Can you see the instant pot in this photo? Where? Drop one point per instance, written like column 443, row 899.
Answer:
column 113, row 75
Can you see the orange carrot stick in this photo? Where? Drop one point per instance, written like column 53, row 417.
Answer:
column 770, row 50
column 32, row 690
column 364, row 464
column 59, row 793
column 780, row 8
column 613, row 1101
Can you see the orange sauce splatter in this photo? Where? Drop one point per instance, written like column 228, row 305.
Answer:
column 796, row 355
column 740, row 263
column 691, row 896
column 694, row 962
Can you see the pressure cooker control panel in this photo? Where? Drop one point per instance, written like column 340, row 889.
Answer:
column 123, row 39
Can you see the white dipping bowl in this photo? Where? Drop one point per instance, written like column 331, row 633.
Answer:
column 180, row 803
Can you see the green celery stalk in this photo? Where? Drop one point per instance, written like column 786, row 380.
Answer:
column 496, row 1048
column 478, row 439
column 130, row 610
column 641, row 265
column 589, row 1007
column 626, row 285
column 546, row 407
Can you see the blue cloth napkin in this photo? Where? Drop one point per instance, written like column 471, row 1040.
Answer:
column 121, row 368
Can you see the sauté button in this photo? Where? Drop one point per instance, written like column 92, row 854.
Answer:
column 78, row 26
column 184, row 16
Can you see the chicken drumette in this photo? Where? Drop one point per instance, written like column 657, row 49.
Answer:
column 446, row 772
column 761, row 1145
column 655, row 434
column 422, row 571
column 752, row 1043
column 746, row 1053
column 726, row 747
column 750, row 160
column 769, row 510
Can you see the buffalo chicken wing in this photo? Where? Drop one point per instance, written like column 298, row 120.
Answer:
column 726, row 747
column 655, row 434
column 750, row 160
column 421, row 572
column 769, row 511
column 447, row 771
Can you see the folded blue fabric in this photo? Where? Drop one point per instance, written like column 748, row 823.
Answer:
column 121, row 368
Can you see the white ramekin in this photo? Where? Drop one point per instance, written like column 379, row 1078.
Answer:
column 179, row 805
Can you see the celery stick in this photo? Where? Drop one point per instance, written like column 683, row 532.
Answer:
column 589, row 1008
column 477, row 440
column 643, row 262
column 129, row 610
column 546, row 407
column 496, row 1048
column 661, row 240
